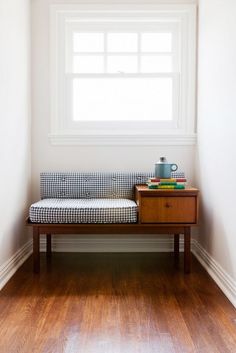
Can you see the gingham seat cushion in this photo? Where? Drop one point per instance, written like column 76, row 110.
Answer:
column 84, row 211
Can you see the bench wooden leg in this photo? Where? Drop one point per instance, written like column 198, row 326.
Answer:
column 36, row 248
column 176, row 249
column 49, row 245
column 187, row 250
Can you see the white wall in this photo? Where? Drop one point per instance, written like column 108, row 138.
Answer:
column 47, row 157
column 14, row 124
column 216, row 157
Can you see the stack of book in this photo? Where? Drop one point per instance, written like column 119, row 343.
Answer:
column 172, row 183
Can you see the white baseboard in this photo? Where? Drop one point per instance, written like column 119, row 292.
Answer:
column 226, row 283
column 111, row 244
column 8, row 269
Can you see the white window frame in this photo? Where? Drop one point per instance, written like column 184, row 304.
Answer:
column 181, row 131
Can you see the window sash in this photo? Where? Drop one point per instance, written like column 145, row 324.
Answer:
column 140, row 28
column 107, row 125
column 106, row 29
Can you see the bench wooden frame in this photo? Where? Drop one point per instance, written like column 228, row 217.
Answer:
column 134, row 228
column 188, row 214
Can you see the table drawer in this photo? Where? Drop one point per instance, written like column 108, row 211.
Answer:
column 168, row 209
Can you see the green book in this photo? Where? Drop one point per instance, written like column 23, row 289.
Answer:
column 166, row 187
column 152, row 186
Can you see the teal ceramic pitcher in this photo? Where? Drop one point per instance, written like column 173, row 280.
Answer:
column 163, row 169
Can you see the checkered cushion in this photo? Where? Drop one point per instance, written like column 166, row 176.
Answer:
column 84, row 211
column 90, row 185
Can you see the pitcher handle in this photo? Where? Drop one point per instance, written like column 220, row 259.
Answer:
column 174, row 167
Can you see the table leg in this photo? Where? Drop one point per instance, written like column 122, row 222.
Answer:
column 187, row 250
column 49, row 245
column 176, row 249
column 36, row 248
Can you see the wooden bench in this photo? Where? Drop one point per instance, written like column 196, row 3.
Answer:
column 159, row 212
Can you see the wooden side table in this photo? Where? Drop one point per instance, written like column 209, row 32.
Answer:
column 175, row 211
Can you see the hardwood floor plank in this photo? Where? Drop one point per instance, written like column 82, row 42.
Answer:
column 114, row 303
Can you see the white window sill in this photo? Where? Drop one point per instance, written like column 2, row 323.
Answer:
column 119, row 140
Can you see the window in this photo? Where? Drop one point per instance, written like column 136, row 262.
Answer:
column 122, row 74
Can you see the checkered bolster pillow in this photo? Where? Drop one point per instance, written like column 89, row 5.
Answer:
column 84, row 211
column 90, row 185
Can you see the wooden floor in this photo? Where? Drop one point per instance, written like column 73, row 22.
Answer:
column 114, row 303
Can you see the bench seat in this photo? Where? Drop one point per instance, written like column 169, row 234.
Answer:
column 54, row 210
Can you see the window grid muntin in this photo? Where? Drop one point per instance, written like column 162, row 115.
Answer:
column 138, row 53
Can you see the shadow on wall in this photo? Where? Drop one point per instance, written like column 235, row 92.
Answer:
column 15, row 234
column 20, row 233
column 212, row 225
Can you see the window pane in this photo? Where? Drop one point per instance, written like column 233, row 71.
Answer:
column 88, row 42
column 122, row 64
column 155, row 63
column 113, row 99
column 88, row 64
column 156, row 42
column 122, row 42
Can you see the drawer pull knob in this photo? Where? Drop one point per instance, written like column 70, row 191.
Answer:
column 167, row 205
